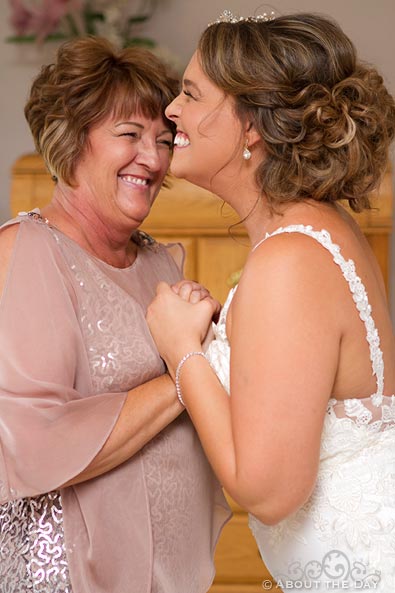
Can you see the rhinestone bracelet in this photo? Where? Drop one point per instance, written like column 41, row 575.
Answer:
column 178, row 371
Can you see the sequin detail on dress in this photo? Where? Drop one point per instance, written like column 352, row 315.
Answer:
column 33, row 555
column 161, row 513
column 116, row 359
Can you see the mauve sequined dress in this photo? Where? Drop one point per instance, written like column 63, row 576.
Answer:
column 73, row 341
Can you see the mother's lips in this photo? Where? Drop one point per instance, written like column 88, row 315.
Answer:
column 136, row 180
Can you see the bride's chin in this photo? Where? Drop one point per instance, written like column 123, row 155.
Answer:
column 180, row 171
column 176, row 168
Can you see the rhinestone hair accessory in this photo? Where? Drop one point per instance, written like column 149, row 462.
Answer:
column 228, row 17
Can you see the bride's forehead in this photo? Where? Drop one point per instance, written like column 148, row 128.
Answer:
column 195, row 76
column 193, row 67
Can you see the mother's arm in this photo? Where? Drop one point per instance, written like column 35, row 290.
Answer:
column 147, row 410
column 41, row 411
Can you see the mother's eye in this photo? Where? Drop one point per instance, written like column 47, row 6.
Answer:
column 168, row 143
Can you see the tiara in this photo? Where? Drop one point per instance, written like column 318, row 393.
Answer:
column 228, row 17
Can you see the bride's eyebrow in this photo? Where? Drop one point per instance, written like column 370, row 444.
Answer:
column 190, row 84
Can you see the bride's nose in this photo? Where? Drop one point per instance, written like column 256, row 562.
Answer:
column 173, row 110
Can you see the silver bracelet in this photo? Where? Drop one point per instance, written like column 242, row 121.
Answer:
column 178, row 371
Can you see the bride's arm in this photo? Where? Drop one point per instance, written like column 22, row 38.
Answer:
column 263, row 442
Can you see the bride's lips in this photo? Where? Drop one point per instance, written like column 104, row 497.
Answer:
column 181, row 140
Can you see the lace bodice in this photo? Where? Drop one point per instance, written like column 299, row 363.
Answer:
column 344, row 536
column 377, row 411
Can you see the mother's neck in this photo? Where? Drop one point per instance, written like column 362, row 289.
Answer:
column 89, row 228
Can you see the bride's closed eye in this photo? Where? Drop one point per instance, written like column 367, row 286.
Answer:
column 188, row 94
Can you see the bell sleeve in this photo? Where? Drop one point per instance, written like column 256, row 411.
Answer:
column 51, row 424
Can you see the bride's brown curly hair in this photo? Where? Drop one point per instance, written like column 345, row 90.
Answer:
column 326, row 119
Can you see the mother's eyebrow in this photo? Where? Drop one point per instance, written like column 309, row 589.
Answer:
column 133, row 123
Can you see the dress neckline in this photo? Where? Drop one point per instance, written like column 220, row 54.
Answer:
column 140, row 238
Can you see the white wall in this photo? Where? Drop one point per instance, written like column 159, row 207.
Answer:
column 176, row 25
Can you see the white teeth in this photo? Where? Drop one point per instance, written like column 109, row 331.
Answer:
column 135, row 180
column 181, row 140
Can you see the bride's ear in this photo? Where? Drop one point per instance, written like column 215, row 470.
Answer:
column 252, row 135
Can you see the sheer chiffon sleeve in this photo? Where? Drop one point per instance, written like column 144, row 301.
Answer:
column 177, row 252
column 51, row 424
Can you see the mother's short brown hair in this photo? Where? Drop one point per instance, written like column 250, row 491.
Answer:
column 90, row 81
column 326, row 119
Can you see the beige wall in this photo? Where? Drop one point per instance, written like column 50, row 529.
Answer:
column 176, row 25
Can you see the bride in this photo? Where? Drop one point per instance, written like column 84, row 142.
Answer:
column 278, row 118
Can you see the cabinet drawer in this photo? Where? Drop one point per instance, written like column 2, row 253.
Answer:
column 242, row 588
column 237, row 558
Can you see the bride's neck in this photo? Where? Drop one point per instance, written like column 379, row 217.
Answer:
column 252, row 209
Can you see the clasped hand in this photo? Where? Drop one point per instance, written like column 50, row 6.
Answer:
column 179, row 319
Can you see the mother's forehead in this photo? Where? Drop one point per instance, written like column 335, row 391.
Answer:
column 133, row 118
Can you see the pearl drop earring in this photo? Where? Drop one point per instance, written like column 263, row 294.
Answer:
column 246, row 152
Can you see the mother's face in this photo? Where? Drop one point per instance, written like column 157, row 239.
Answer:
column 122, row 168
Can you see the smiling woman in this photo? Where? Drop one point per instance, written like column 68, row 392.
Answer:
column 110, row 478
column 122, row 169
column 207, row 111
column 294, row 400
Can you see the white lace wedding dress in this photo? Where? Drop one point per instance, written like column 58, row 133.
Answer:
column 343, row 538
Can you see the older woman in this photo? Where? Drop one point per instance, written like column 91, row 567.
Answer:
column 94, row 499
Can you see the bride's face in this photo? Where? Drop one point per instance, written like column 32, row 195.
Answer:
column 209, row 142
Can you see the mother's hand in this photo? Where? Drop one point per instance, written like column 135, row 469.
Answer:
column 179, row 326
column 192, row 291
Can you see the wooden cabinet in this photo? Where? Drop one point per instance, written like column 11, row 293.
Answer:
column 216, row 248
column 239, row 567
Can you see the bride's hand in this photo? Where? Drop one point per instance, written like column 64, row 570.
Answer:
column 178, row 326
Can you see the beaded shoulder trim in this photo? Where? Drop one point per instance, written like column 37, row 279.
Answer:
column 359, row 295
column 143, row 239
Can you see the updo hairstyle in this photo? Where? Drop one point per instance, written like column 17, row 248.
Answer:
column 326, row 120
column 90, row 81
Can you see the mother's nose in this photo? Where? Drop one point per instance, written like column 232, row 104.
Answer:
column 148, row 155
